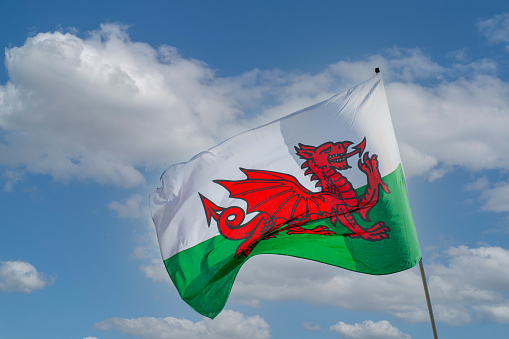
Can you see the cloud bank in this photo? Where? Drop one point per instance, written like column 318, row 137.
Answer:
column 105, row 108
column 98, row 108
column 471, row 287
column 496, row 29
column 21, row 276
column 229, row 324
column 369, row 330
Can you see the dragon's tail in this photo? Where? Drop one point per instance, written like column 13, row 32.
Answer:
column 229, row 220
column 230, row 224
column 211, row 209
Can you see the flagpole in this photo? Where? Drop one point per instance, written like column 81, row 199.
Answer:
column 428, row 300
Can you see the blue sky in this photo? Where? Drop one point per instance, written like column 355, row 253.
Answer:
column 97, row 99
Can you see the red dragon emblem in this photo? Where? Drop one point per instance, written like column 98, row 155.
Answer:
column 283, row 204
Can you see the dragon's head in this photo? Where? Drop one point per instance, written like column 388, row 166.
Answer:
column 330, row 154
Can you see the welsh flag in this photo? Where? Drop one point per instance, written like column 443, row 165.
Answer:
column 324, row 183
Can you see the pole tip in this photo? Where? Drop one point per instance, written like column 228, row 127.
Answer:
column 377, row 70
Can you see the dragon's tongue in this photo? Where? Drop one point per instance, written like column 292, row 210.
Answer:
column 357, row 149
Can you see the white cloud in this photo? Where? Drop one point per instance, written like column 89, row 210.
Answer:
column 461, row 55
column 415, row 162
column 482, row 268
column 494, row 313
column 229, row 324
column 471, row 287
column 496, row 29
column 457, row 123
column 136, row 206
column 397, row 64
column 496, row 198
column 21, row 276
column 369, row 330
column 269, row 277
column 478, row 185
column 148, row 253
column 155, row 270
column 98, row 108
column 11, row 178
column 104, row 107
column 311, row 327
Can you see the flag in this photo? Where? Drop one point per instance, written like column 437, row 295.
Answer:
column 324, row 183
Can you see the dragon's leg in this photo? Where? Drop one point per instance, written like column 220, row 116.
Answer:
column 378, row 231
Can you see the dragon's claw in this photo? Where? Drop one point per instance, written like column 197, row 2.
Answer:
column 377, row 232
column 368, row 165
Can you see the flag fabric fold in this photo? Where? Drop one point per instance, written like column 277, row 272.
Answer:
column 324, row 183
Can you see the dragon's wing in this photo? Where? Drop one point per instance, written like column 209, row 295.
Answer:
column 277, row 194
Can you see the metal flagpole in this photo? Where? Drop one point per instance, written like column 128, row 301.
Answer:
column 428, row 300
